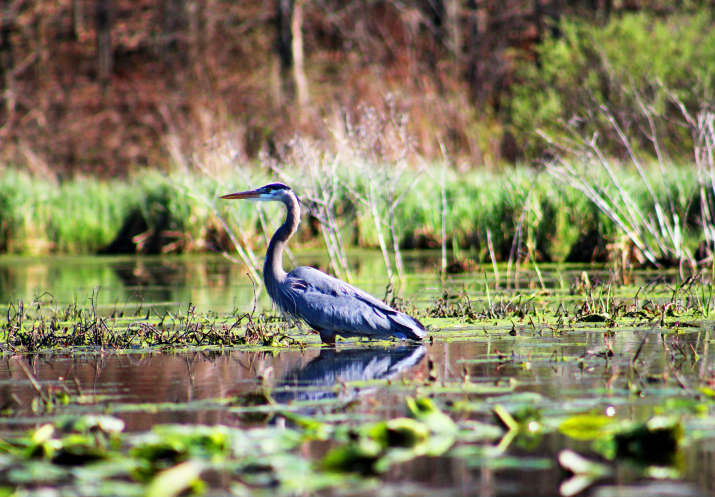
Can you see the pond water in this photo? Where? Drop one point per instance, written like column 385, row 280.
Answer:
column 468, row 367
column 214, row 283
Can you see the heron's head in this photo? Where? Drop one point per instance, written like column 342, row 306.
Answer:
column 274, row 191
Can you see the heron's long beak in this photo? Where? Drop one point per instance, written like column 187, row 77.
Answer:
column 248, row 194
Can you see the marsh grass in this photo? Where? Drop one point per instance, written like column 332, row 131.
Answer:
column 39, row 216
column 42, row 325
column 652, row 216
column 669, row 306
column 520, row 215
column 361, row 188
column 42, row 328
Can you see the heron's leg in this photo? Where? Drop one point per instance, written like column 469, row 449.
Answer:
column 327, row 338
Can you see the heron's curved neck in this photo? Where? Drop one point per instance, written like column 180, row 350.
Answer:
column 273, row 268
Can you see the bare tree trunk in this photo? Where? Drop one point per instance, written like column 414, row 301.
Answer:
column 444, row 16
column 296, row 28
column 451, row 29
column 289, row 45
column 434, row 12
column 606, row 6
column 174, row 21
column 277, row 93
column 103, row 25
column 539, row 20
column 556, row 10
column 194, row 13
column 6, row 62
column 77, row 18
column 474, row 76
column 284, row 13
column 6, row 21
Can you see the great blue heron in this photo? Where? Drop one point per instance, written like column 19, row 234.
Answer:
column 330, row 306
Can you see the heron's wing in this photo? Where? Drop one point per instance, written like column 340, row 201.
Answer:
column 327, row 303
column 328, row 285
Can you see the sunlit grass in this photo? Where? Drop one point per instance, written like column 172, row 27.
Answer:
column 526, row 214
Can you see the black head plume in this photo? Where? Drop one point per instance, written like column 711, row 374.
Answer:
column 273, row 187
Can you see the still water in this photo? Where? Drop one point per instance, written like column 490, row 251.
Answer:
column 472, row 365
column 214, row 283
column 211, row 283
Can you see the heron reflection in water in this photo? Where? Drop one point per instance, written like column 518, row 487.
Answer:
column 316, row 380
column 330, row 306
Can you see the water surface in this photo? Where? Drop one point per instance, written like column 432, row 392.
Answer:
column 467, row 368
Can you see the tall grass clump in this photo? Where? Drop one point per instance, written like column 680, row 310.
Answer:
column 650, row 210
column 39, row 215
column 320, row 180
column 702, row 127
column 96, row 217
column 174, row 221
column 355, row 186
column 512, row 209
column 654, row 214
column 208, row 172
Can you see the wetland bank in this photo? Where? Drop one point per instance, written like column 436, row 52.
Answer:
column 557, row 383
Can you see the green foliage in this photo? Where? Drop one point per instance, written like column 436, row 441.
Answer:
column 631, row 59
column 171, row 459
column 587, row 426
column 77, row 216
column 374, row 447
column 155, row 213
column 654, row 442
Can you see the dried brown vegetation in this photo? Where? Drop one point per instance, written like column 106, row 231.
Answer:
column 104, row 86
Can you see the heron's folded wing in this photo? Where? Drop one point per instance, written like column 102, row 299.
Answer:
column 340, row 313
column 328, row 285
column 328, row 303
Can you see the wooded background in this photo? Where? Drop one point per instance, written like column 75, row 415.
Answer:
column 108, row 86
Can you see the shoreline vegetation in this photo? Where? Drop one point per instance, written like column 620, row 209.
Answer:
column 516, row 214
column 675, row 307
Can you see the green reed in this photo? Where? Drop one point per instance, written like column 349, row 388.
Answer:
column 527, row 213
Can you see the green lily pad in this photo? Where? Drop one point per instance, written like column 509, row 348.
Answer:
column 587, row 426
